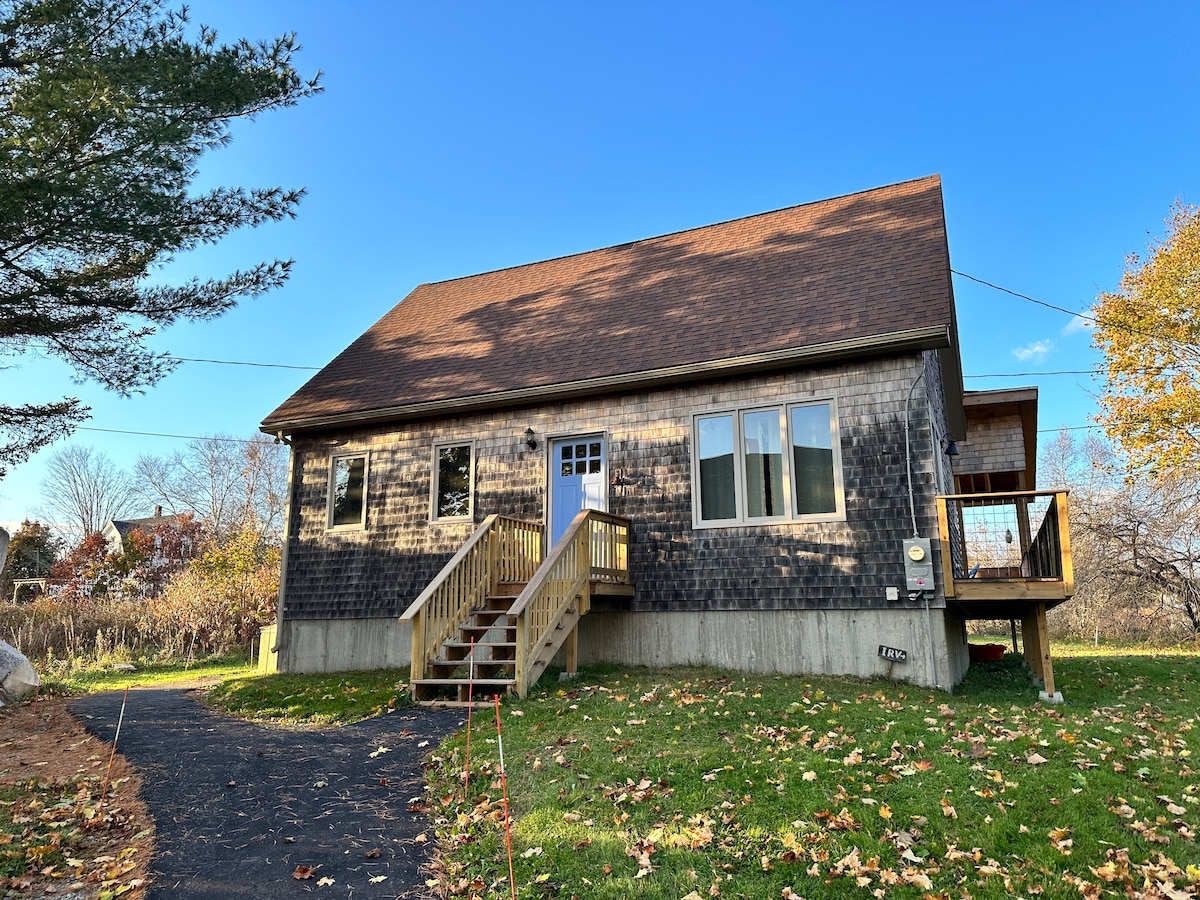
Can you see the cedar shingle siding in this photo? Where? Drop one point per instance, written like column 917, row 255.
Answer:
column 845, row 565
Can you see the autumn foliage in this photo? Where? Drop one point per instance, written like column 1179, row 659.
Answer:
column 168, row 593
column 1149, row 332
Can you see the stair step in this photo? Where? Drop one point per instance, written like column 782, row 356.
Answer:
column 454, row 682
column 444, row 668
column 494, row 645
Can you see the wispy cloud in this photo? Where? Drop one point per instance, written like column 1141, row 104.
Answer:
column 1076, row 325
column 1036, row 351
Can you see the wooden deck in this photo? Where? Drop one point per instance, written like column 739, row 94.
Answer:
column 1008, row 556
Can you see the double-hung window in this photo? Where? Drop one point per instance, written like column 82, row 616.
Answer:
column 767, row 464
column 347, row 503
column 452, row 492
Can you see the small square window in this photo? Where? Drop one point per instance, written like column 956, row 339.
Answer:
column 566, row 452
column 593, row 449
column 593, row 466
column 565, row 471
column 581, row 468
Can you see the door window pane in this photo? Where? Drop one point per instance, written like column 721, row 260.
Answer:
column 812, row 455
column 762, row 444
column 714, row 448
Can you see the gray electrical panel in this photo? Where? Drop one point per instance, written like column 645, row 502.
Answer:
column 918, row 564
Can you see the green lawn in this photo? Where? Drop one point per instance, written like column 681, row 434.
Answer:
column 318, row 700
column 695, row 783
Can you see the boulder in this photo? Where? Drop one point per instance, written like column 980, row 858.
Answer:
column 17, row 677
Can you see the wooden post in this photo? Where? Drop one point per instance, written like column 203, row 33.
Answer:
column 1064, row 543
column 1029, row 641
column 573, row 650
column 416, row 666
column 944, row 539
column 1012, row 624
column 1043, row 649
column 522, row 655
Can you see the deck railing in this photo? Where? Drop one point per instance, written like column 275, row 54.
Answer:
column 1006, row 539
column 501, row 550
column 595, row 548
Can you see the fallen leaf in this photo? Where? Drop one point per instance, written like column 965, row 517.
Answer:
column 324, row 882
column 1035, row 759
column 375, row 879
column 382, row 749
column 303, row 872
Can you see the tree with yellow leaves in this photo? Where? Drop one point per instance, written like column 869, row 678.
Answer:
column 1149, row 332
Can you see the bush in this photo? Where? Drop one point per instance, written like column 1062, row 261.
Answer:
column 213, row 605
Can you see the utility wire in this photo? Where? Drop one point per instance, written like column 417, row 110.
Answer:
column 185, row 437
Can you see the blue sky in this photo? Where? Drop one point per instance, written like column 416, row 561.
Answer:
column 458, row 138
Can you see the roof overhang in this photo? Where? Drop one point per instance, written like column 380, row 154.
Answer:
column 934, row 337
column 1011, row 401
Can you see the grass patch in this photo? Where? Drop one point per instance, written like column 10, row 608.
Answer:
column 93, row 678
column 337, row 698
column 693, row 783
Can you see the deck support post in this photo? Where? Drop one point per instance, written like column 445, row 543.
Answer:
column 572, row 648
column 1030, row 644
column 1048, row 693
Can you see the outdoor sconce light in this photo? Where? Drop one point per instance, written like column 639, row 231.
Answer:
column 951, row 448
column 530, row 439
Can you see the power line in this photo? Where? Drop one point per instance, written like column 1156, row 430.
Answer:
column 230, row 362
column 185, row 437
column 1089, row 319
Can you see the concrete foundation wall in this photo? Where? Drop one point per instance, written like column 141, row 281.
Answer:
column 344, row 645
column 824, row 642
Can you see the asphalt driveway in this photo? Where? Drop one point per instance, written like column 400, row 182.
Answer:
column 238, row 807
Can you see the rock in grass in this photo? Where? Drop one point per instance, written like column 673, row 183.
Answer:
column 17, row 677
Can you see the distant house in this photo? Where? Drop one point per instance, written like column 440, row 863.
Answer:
column 724, row 445
column 116, row 533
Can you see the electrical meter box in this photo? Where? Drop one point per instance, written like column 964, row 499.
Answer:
column 918, row 564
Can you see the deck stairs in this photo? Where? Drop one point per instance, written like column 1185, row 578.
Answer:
column 480, row 660
column 498, row 613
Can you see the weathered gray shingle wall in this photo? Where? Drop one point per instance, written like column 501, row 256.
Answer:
column 844, row 565
column 995, row 443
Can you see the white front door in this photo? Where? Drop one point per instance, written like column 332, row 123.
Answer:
column 578, row 480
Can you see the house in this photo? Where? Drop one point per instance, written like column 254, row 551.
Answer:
column 724, row 445
column 116, row 533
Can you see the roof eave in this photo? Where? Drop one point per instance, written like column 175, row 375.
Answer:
column 931, row 337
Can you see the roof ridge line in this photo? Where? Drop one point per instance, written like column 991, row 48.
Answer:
column 655, row 237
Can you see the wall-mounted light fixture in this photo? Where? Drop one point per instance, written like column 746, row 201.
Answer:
column 951, row 448
column 530, row 439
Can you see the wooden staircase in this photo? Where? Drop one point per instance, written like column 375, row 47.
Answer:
column 497, row 614
column 456, row 677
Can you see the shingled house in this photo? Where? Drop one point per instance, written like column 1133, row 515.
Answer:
column 723, row 445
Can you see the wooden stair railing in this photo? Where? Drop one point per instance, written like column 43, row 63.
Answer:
column 594, row 548
column 502, row 551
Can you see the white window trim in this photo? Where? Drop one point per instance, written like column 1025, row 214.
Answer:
column 784, row 408
column 433, row 484
column 361, row 524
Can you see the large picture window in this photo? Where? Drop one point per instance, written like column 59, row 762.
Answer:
column 348, row 491
column 770, row 464
column 453, row 481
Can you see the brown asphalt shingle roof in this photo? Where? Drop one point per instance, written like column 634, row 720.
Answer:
column 869, row 264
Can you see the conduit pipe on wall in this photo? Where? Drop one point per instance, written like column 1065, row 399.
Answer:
column 912, row 509
column 287, row 532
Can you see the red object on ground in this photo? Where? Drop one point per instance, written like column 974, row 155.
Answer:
column 986, row 652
